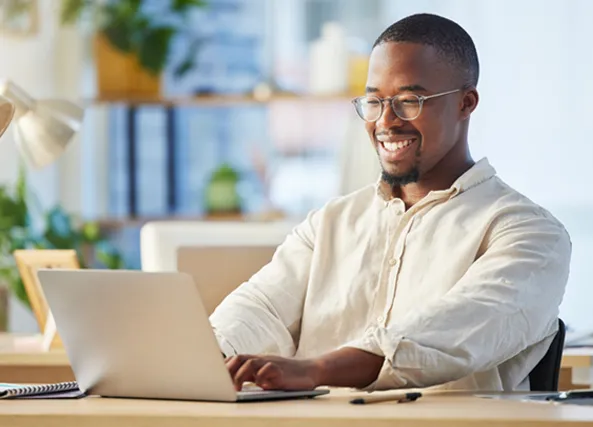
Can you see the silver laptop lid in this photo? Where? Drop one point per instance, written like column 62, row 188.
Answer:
column 137, row 334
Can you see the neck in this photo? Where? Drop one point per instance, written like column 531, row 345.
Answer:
column 442, row 175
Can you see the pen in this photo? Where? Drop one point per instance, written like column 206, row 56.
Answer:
column 399, row 398
column 571, row 394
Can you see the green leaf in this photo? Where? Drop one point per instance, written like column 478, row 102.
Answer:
column 154, row 49
column 121, row 35
column 183, row 6
column 184, row 67
column 110, row 259
column 18, row 289
column 61, row 231
column 71, row 11
column 133, row 6
column 91, row 232
column 124, row 24
column 189, row 62
column 225, row 173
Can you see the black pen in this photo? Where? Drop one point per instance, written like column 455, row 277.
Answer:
column 399, row 398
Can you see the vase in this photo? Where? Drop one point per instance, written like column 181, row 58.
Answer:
column 120, row 75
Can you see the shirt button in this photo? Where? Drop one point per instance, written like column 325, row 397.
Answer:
column 380, row 319
column 392, row 262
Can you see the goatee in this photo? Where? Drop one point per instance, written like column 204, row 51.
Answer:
column 400, row 180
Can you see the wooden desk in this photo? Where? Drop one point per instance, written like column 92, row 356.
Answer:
column 577, row 368
column 23, row 361
column 327, row 411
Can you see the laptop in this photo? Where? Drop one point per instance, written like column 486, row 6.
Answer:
column 142, row 335
column 203, row 264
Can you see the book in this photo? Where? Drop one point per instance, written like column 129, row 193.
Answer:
column 63, row 390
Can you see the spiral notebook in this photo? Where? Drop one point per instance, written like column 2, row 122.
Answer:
column 64, row 390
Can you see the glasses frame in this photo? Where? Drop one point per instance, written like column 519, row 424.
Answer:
column 391, row 99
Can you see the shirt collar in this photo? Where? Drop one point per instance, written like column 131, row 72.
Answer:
column 477, row 174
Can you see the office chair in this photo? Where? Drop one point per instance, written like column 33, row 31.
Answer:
column 544, row 377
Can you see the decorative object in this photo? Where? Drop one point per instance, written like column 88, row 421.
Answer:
column 134, row 40
column 28, row 262
column 328, row 61
column 222, row 196
column 19, row 17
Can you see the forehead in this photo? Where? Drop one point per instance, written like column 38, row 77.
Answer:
column 393, row 65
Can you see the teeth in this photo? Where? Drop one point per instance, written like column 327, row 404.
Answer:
column 394, row 146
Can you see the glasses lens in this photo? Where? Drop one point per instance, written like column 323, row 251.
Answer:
column 368, row 108
column 407, row 106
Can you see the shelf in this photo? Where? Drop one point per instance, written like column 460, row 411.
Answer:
column 218, row 100
column 107, row 224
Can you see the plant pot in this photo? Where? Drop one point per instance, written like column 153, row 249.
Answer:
column 120, row 75
column 222, row 197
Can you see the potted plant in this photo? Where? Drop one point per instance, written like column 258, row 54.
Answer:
column 58, row 230
column 133, row 44
column 222, row 196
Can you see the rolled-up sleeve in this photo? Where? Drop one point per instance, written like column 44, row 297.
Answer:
column 507, row 301
column 263, row 315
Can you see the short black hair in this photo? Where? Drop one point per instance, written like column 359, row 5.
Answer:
column 448, row 38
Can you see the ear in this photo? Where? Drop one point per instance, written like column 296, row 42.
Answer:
column 469, row 102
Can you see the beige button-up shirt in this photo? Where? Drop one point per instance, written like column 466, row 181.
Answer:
column 460, row 291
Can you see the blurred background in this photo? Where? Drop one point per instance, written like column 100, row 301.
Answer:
column 240, row 110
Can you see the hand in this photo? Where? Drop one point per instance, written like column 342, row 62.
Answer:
column 273, row 372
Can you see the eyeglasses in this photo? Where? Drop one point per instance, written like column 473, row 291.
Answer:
column 406, row 106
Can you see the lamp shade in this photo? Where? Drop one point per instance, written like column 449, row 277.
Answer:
column 43, row 128
column 6, row 114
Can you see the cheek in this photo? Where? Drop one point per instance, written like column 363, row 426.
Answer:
column 433, row 135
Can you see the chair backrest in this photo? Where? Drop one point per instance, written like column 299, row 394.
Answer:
column 217, row 271
column 544, row 377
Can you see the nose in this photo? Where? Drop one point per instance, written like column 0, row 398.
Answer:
column 388, row 116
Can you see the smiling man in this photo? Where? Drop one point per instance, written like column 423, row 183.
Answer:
column 439, row 275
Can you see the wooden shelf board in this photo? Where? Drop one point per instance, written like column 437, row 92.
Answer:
column 117, row 223
column 216, row 100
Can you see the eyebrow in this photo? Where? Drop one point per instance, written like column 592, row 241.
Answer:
column 407, row 88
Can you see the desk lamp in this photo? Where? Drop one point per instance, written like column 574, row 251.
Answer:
column 43, row 127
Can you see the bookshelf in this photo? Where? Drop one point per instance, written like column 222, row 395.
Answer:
column 171, row 107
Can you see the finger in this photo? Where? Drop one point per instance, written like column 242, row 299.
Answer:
column 247, row 372
column 233, row 363
column 269, row 377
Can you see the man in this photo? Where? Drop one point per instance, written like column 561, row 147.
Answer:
column 441, row 274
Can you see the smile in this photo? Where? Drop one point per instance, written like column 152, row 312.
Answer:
column 397, row 145
column 394, row 150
